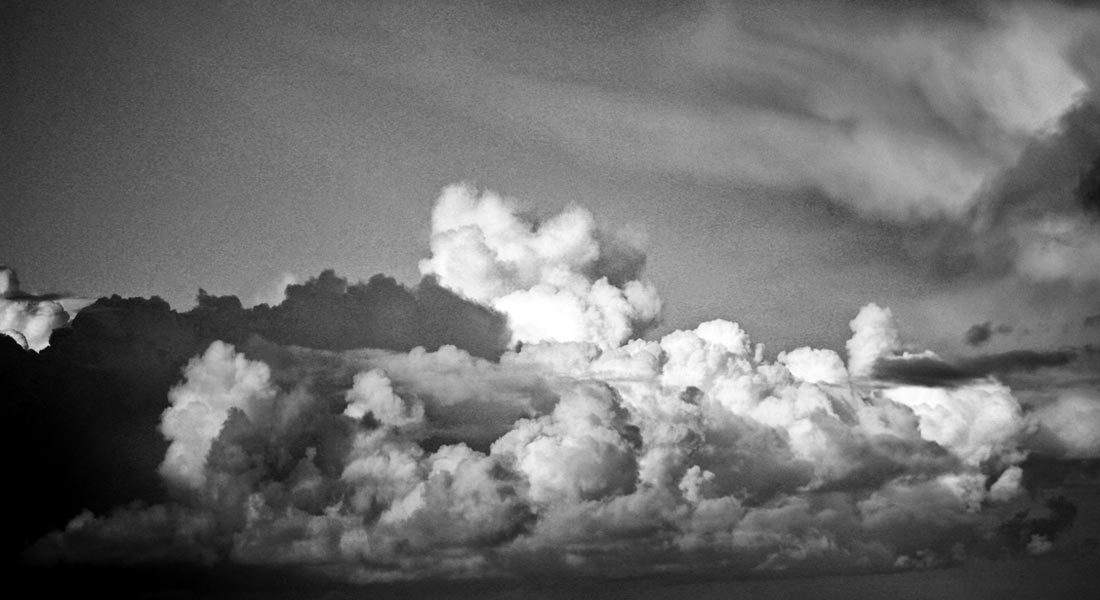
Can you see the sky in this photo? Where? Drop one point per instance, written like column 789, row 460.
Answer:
column 753, row 283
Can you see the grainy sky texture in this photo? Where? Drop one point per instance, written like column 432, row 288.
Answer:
column 484, row 284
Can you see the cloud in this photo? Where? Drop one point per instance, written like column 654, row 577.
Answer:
column 875, row 335
column 26, row 318
column 1035, row 533
column 971, row 128
column 218, row 382
column 1035, row 218
column 693, row 440
column 975, row 422
column 897, row 114
column 562, row 279
column 931, row 370
column 91, row 403
column 1070, row 425
column 280, row 440
column 979, row 334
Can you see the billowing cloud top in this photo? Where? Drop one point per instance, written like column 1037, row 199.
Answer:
column 561, row 280
column 585, row 449
column 25, row 318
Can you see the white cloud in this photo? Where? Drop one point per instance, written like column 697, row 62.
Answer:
column 27, row 320
column 976, row 422
column 874, row 336
column 1071, row 424
column 597, row 454
column 561, row 280
column 215, row 383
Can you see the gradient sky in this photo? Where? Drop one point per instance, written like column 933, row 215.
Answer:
column 786, row 165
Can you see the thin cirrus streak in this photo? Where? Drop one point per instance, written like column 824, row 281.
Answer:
column 581, row 448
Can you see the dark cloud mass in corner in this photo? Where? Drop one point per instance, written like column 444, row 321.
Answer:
column 89, row 404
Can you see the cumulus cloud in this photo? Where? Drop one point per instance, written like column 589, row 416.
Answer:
column 219, row 381
column 975, row 422
column 1070, row 425
column 27, row 319
column 604, row 459
column 1035, row 219
column 980, row 333
column 874, row 336
column 601, row 453
column 563, row 279
column 974, row 122
column 91, row 403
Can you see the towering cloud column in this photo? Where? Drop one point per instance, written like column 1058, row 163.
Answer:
column 561, row 280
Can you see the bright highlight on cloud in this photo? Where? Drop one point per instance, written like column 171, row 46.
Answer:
column 216, row 383
column 25, row 318
column 585, row 449
column 561, row 280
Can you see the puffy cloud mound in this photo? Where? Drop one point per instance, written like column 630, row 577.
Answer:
column 91, row 402
column 27, row 319
column 562, row 280
column 1070, row 425
column 595, row 454
column 689, row 450
column 219, row 381
column 874, row 336
column 975, row 422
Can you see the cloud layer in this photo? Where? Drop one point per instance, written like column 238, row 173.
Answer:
column 581, row 448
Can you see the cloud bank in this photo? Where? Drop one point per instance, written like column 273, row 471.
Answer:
column 308, row 435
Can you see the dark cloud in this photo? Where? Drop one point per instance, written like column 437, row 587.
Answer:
column 1092, row 320
column 328, row 312
column 1043, row 471
column 1024, row 529
column 1035, row 219
column 652, row 453
column 85, row 410
column 936, row 372
column 980, row 333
